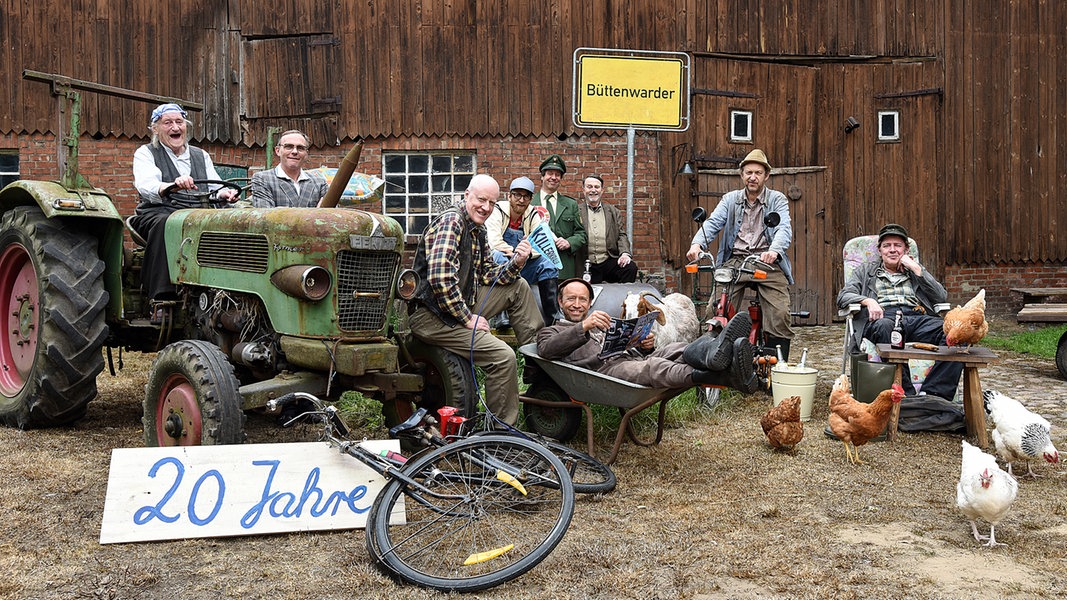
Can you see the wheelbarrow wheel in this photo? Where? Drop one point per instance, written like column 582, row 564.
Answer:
column 551, row 421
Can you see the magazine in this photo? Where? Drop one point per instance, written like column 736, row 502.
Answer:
column 625, row 335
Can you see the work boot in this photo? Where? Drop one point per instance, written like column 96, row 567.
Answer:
column 719, row 378
column 501, row 322
column 743, row 368
column 773, row 342
column 549, row 306
column 714, row 353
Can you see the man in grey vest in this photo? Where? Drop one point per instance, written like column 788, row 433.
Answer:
column 461, row 287
column 167, row 160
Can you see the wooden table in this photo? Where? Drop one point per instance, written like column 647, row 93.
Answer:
column 973, row 407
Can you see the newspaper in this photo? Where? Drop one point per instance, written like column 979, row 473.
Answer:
column 625, row 335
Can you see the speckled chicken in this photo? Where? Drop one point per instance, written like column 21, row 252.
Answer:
column 966, row 325
column 1019, row 434
column 782, row 424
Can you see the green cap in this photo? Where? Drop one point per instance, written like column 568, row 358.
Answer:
column 554, row 162
column 893, row 229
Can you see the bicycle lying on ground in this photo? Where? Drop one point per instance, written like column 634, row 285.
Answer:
column 464, row 515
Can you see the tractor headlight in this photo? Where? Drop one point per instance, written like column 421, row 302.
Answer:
column 306, row 282
column 406, row 284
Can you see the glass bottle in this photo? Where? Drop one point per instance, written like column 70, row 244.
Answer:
column 896, row 338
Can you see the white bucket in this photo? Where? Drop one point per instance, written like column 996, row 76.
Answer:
column 795, row 381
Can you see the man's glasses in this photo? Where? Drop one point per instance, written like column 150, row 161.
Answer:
column 297, row 147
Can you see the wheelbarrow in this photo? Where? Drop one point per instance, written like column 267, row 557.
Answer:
column 559, row 392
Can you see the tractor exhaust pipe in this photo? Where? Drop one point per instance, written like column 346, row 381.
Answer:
column 344, row 173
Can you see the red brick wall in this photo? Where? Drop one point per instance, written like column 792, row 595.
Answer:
column 108, row 165
column 962, row 282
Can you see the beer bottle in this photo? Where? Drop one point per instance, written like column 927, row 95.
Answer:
column 896, row 338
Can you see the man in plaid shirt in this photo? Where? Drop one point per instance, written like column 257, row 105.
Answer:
column 461, row 287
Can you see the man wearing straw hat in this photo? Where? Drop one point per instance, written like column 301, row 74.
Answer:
column 755, row 220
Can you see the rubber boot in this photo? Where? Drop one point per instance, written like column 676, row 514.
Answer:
column 714, row 353
column 771, row 349
column 743, row 368
column 549, row 306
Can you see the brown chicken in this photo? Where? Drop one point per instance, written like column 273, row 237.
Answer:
column 782, row 424
column 966, row 325
column 855, row 423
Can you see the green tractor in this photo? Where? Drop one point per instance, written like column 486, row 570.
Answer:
column 270, row 301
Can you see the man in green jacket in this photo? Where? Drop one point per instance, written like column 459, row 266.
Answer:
column 563, row 217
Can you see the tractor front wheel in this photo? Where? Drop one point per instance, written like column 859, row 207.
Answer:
column 192, row 398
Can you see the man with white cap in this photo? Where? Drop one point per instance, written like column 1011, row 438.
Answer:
column 511, row 222
column 167, row 160
column 755, row 221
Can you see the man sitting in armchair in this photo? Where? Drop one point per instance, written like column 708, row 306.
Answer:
column 898, row 283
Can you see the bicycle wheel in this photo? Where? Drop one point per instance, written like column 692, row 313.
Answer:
column 589, row 475
column 468, row 528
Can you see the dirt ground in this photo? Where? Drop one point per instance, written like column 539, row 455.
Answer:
column 712, row 512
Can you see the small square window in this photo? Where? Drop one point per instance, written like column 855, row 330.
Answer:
column 740, row 126
column 889, row 126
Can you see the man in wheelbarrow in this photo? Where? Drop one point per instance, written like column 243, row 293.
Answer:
column 722, row 361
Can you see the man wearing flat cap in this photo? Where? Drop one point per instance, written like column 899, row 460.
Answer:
column 896, row 282
column 563, row 217
column 755, row 221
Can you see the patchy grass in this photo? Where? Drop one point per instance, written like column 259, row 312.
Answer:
column 1040, row 342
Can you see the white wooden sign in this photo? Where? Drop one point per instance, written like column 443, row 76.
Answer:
column 249, row 489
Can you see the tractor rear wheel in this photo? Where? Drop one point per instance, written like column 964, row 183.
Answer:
column 192, row 398
column 52, row 300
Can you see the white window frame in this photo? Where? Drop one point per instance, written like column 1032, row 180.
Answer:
column 895, row 135
column 4, row 175
column 414, row 195
column 748, row 116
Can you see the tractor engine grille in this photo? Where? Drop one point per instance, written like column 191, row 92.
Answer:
column 364, row 285
column 233, row 251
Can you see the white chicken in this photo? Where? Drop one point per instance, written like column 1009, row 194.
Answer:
column 1019, row 434
column 984, row 492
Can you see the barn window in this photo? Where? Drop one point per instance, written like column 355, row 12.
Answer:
column 889, row 126
column 9, row 166
column 421, row 185
column 740, row 126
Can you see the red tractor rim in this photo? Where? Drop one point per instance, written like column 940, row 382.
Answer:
column 178, row 418
column 19, row 302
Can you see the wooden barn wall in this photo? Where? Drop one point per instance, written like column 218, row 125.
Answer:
column 178, row 48
column 1006, row 115
column 422, row 69
column 400, row 68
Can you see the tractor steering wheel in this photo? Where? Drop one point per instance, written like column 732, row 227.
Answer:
column 198, row 198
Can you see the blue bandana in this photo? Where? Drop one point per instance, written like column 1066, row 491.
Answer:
column 157, row 114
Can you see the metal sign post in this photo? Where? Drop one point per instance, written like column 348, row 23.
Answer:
column 631, row 89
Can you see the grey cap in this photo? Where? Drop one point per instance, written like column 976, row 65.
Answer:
column 893, row 229
column 522, row 183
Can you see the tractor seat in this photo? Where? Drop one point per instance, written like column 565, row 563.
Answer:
column 134, row 235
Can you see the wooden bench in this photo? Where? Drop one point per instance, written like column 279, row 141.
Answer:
column 1037, row 308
